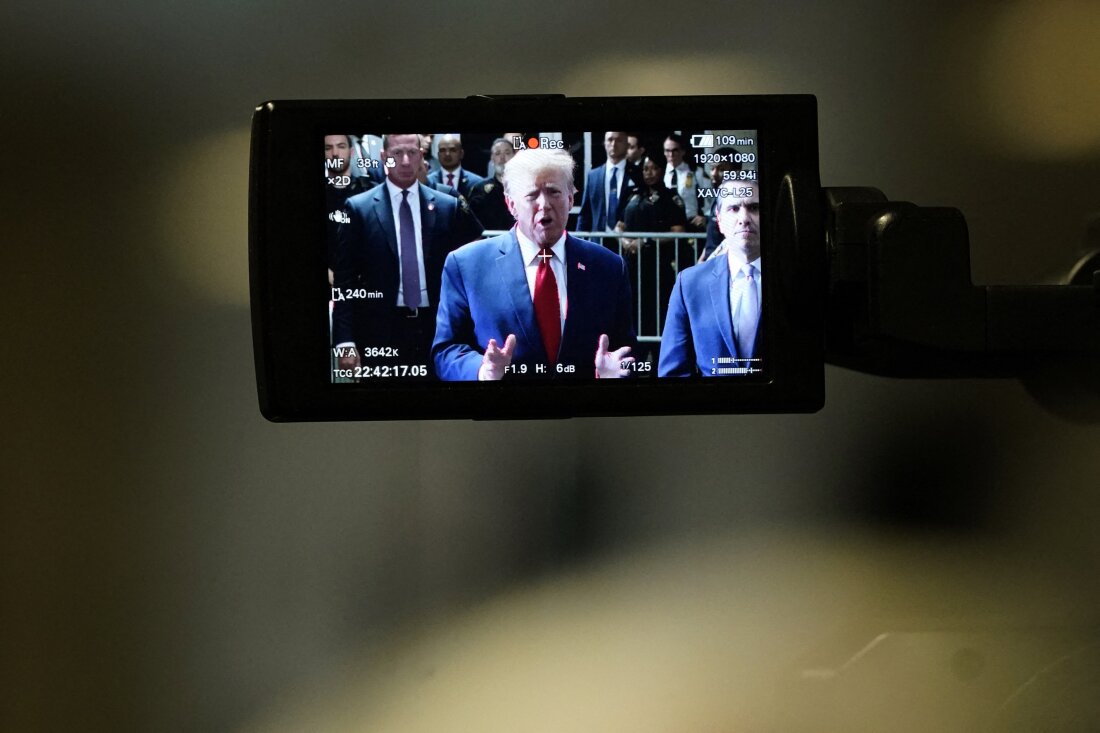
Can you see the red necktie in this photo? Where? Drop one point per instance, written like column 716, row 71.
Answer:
column 451, row 180
column 547, row 305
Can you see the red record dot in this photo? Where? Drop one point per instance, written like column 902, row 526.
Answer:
column 532, row 142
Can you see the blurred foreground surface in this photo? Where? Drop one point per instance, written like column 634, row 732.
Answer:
column 770, row 631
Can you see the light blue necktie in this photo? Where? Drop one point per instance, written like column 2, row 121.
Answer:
column 748, row 315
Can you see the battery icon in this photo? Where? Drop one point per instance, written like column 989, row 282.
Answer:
column 702, row 141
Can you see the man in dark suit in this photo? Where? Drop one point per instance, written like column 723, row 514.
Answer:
column 422, row 176
column 534, row 301
column 608, row 188
column 635, row 149
column 341, row 183
column 713, row 320
column 451, row 172
column 390, row 253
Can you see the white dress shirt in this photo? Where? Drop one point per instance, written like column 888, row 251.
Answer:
column 530, row 252
column 612, row 216
column 685, row 187
column 414, row 204
column 738, row 283
column 443, row 173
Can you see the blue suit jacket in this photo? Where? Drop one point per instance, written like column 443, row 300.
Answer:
column 367, row 256
column 485, row 296
column 592, row 216
column 699, row 328
column 466, row 180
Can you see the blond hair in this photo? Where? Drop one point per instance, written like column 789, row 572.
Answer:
column 528, row 164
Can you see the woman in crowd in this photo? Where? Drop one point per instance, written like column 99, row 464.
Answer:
column 654, row 261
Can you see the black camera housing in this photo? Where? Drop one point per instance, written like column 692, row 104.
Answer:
column 287, row 254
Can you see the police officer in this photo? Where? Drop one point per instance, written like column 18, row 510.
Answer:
column 487, row 198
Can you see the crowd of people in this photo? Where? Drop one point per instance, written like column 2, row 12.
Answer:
column 400, row 209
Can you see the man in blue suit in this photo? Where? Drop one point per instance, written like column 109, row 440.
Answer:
column 389, row 258
column 451, row 173
column 712, row 325
column 608, row 188
column 534, row 302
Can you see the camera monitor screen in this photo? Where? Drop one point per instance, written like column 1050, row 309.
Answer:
column 532, row 248
column 476, row 256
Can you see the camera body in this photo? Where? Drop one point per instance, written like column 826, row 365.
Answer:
column 365, row 308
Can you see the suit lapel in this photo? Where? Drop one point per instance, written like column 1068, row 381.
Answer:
column 441, row 177
column 577, row 293
column 609, row 216
column 513, row 279
column 383, row 210
column 427, row 219
column 625, row 190
column 719, row 287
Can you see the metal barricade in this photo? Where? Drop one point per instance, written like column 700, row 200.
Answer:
column 656, row 240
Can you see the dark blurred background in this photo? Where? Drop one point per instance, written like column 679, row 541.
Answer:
column 173, row 562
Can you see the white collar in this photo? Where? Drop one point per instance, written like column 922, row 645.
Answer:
column 530, row 250
column 395, row 191
column 736, row 262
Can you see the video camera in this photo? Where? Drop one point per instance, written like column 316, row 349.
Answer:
column 556, row 271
